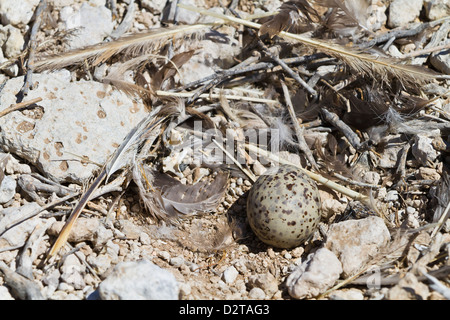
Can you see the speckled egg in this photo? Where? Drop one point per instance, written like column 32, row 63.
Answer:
column 283, row 207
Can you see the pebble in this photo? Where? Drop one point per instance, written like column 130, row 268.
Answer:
column 437, row 9
column 164, row 255
column 10, row 13
column 93, row 23
column 7, row 189
column 402, row 12
column 315, row 275
column 176, row 262
column 265, row 281
column 355, row 242
column 139, row 280
column 256, row 294
column 229, row 275
column 422, row 149
column 4, row 294
column 13, row 41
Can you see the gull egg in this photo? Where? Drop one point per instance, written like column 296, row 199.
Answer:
column 283, row 207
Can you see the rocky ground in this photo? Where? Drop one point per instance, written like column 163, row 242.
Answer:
column 73, row 120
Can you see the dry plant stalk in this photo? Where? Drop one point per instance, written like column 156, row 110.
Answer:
column 361, row 62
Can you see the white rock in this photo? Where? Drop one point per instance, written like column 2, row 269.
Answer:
column 17, row 13
column 12, row 41
column 230, row 274
column 100, row 263
column 84, row 118
column 355, row 242
column 437, row 9
column 154, row 6
column 176, row 261
column 7, row 189
column 266, row 281
column 72, row 270
column 256, row 294
column 182, row 15
column 392, row 195
column 350, row 294
column 422, row 149
column 315, row 275
column 93, row 23
column 139, row 280
column 402, row 12
column 17, row 235
column 4, row 294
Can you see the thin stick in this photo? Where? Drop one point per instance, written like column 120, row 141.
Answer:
column 298, row 130
column 33, row 44
column 426, row 51
column 213, row 96
column 246, row 172
column 19, row 106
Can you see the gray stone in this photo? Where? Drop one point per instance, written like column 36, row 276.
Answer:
column 7, row 189
column 355, row 242
column 176, row 261
column 74, row 119
column 315, row 275
column 139, row 280
column 93, row 23
column 402, row 12
column 17, row 15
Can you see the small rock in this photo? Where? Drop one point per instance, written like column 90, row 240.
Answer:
column 422, row 149
column 52, row 279
column 4, row 294
column 171, row 11
column 93, row 23
column 355, row 242
column 71, row 272
column 19, row 234
column 392, row 195
column 230, row 274
column 437, row 9
column 176, row 261
column 409, row 288
column 129, row 229
column 164, row 255
column 139, row 280
column 266, row 282
column 349, row 294
column 13, row 44
column 402, row 12
column 154, row 6
column 315, row 275
column 7, row 189
column 10, row 13
column 100, row 263
column 427, row 174
column 256, row 294
column 83, row 230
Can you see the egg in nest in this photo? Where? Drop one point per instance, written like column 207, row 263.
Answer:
column 283, row 207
